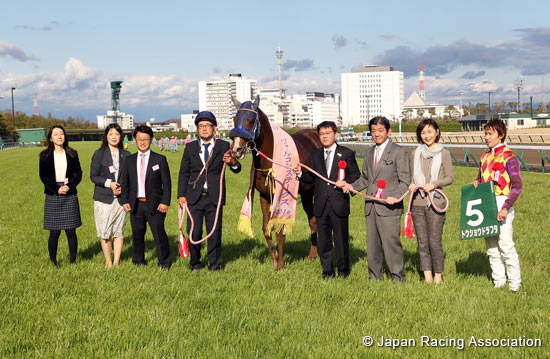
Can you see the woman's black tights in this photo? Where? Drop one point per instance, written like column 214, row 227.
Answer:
column 54, row 239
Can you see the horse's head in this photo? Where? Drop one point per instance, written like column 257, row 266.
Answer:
column 247, row 126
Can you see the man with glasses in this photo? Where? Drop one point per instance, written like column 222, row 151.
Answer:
column 199, row 187
column 146, row 191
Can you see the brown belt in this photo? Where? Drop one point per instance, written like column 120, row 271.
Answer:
column 141, row 199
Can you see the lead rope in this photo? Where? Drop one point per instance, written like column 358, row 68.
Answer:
column 185, row 209
column 430, row 195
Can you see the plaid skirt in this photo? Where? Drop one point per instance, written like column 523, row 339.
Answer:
column 61, row 212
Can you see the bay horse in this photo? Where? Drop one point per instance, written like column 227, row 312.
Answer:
column 252, row 132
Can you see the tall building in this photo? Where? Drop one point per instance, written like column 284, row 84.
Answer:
column 301, row 110
column 371, row 91
column 124, row 120
column 215, row 96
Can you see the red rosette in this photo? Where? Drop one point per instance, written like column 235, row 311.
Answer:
column 381, row 184
column 342, row 164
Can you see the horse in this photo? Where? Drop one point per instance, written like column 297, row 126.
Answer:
column 252, row 133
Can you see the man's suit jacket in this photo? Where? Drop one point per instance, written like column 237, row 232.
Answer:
column 191, row 166
column 47, row 174
column 324, row 192
column 99, row 172
column 393, row 167
column 158, row 185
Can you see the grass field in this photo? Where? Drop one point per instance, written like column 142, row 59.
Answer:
column 249, row 310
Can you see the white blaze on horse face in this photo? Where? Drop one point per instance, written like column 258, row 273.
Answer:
column 237, row 151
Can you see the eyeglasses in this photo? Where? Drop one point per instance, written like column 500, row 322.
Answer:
column 202, row 127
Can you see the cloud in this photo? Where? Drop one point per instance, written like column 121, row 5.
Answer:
column 15, row 52
column 528, row 53
column 389, row 36
column 448, row 91
column 339, row 41
column 49, row 27
column 298, row 65
column 81, row 87
column 301, row 83
column 470, row 75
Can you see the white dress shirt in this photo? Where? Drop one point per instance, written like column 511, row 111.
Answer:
column 332, row 150
column 381, row 150
column 147, row 155
column 201, row 153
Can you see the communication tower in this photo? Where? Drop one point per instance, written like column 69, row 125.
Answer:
column 518, row 85
column 279, row 54
column 36, row 104
column 422, row 93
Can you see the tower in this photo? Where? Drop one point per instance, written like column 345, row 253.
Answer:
column 115, row 97
column 36, row 104
column 422, row 93
column 518, row 85
column 279, row 54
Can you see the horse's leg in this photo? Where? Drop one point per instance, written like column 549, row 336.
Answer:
column 307, row 204
column 264, row 203
column 280, row 246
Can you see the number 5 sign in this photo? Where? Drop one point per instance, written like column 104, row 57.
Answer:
column 478, row 212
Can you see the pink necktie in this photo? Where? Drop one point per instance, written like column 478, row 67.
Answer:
column 377, row 157
column 142, row 173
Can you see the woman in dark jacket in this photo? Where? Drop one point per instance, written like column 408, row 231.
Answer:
column 60, row 172
column 110, row 218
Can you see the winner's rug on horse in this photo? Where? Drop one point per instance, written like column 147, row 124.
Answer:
column 278, row 186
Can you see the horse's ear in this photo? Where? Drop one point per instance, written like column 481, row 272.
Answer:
column 236, row 103
column 256, row 102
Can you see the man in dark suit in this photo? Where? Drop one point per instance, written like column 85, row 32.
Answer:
column 331, row 204
column 199, row 187
column 389, row 162
column 146, row 190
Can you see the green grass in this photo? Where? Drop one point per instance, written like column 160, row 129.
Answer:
column 249, row 310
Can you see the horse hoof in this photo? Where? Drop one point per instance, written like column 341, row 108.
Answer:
column 313, row 254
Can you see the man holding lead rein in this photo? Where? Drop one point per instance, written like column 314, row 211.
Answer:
column 199, row 187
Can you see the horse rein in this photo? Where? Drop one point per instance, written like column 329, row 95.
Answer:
column 204, row 167
column 185, row 209
column 381, row 200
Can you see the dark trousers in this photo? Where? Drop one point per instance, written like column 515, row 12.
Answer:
column 330, row 224
column 383, row 237
column 205, row 209
column 53, row 240
column 428, row 225
column 139, row 220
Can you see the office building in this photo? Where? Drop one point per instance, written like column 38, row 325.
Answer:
column 371, row 91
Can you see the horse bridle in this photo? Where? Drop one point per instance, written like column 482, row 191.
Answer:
column 252, row 135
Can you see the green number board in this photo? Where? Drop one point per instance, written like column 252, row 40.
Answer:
column 478, row 212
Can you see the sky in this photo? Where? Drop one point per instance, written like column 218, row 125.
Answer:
column 68, row 51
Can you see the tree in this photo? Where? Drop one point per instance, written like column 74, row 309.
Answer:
column 450, row 111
